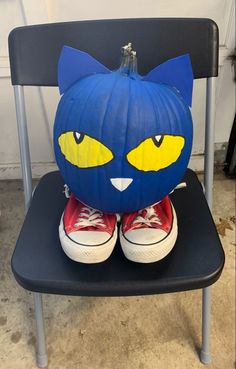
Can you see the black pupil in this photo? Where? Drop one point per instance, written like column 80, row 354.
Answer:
column 159, row 142
column 78, row 138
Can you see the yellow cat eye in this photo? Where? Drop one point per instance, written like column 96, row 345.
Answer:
column 83, row 151
column 155, row 153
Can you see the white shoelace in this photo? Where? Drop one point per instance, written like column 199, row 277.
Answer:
column 66, row 191
column 179, row 186
column 150, row 217
column 90, row 218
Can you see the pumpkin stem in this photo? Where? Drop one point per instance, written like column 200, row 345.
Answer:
column 129, row 60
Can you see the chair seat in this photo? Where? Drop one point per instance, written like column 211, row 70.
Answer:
column 40, row 265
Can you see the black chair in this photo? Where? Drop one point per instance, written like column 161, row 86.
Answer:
column 38, row 262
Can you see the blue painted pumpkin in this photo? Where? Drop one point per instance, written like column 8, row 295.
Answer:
column 122, row 141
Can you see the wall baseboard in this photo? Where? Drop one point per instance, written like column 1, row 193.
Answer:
column 13, row 170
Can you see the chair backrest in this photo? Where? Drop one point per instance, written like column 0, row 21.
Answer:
column 34, row 52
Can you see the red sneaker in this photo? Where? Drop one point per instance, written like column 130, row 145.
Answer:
column 149, row 235
column 87, row 235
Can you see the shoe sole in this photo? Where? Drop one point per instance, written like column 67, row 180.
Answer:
column 86, row 254
column 150, row 253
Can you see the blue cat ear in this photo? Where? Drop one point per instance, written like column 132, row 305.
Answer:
column 176, row 72
column 74, row 64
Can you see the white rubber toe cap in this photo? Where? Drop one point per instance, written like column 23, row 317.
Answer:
column 145, row 236
column 89, row 238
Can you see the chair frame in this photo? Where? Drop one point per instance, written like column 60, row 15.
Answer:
column 41, row 356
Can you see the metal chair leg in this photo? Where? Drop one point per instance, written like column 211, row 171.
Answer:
column 205, row 354
column 41, row 352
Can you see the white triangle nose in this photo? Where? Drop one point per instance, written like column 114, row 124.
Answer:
column 121, row 183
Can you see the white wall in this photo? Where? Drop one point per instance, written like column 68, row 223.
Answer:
column 41, row 111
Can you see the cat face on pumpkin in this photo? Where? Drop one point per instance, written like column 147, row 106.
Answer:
column 122, row 143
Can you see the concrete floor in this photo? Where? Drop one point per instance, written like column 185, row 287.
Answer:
column 123, row 333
